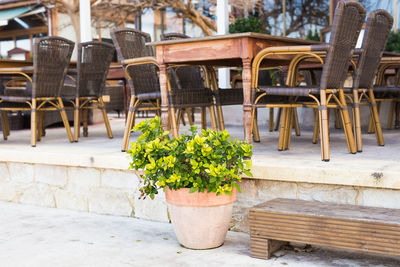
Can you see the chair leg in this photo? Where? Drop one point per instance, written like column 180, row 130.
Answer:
column 271, row 119
column 391, row 115
column 33, row 122
column 296, row 122
column 174, row 125
column 65, row 120
column 347, row 123
column 203, row 118
column 371, row 127
column 357, row 121
column 376, row 120
column 105, row 118
column 182, row 115
column 7, row 123
column 4, row 124
column 85, row 115
column 282, row 130
column 43, row 123
column 129, row 122
column 256, row 132
column 288, row 128
column 278, row 119
column 77, row 121
column 179, row 116
column 40, row 125
column 337, row 120
column 189, row 115
column 323, row 126
column 316, row 126
column 397, row 113
column 220, row 117
column 213, row 119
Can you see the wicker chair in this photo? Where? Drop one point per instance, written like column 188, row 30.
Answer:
column 379, row 24
column 51, row 56
column 94, row 59
column 140, row 69
column 348, row 20
column 188, row 89
column 387, row 89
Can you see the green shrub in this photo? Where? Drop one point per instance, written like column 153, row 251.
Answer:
column 209, row 160
column 313, row 37
column 393, row 44
column 250, row 24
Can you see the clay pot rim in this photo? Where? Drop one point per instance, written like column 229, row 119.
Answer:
column 182, row 197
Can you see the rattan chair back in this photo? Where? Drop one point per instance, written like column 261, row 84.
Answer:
column 347, row 23
column 131, row 43
column 377, row 31
column 188, row 76
column 94, row 59
column 51, row 57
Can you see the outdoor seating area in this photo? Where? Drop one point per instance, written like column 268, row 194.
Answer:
column 295, row 140
column 181, row 89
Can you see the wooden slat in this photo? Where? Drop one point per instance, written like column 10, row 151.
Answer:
column 257, row 225
column 307, row 240
column 331, row 210
column 329, row 235
column 23, row 32
column 13, row 4
column 391, row 229
column 359, row 228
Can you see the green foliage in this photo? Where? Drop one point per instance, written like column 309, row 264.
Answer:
column 209, row 160
column 393, row 44
column 250, row 24
column 311, row 36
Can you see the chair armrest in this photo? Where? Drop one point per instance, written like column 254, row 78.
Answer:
column 16, row 71
column 320, row 47
column 139, row 61
column 299, row 53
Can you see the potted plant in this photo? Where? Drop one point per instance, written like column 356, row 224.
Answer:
column 199, row 172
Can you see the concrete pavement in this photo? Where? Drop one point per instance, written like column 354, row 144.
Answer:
column 36, row 236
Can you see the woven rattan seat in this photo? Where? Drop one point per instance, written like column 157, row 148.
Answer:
column 51, row 56
column 140, row 69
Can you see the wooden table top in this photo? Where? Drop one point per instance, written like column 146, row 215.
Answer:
column 235, row 36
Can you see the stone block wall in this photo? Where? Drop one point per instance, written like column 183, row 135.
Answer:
column 115, row 192
column 104, row 191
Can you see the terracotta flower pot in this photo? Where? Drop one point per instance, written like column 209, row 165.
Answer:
column 200, row 220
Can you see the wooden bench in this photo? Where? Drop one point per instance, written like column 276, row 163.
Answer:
column 360, row 228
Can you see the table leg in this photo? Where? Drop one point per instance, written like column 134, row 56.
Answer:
column 164, row 96
column 246, row 75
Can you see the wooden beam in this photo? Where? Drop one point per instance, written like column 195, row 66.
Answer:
column 17, row 4
column 23, row 32
column 54, row 21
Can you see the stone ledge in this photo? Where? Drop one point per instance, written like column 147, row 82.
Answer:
column 378, row 174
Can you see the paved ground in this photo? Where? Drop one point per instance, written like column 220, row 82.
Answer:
column 34, row 236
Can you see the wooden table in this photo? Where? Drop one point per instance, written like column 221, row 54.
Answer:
column 233, row 50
